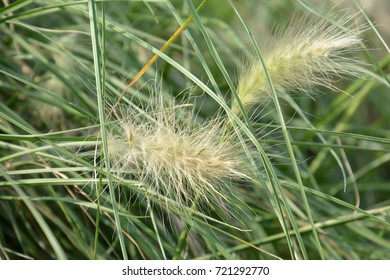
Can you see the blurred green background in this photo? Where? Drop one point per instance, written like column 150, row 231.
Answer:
column 49, row 110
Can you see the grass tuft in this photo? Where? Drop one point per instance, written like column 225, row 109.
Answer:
column 166, row 148
column 309, row 52
column 97, row 161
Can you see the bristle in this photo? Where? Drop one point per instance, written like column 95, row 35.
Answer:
column 167, row 150
column 309, row 52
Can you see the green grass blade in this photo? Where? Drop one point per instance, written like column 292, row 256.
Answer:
column 100, row 88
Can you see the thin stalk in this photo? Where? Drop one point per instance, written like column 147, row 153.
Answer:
column 156, row 230
column 287, row 142
column 155, row 57
column 184, row 234
column 100, row 96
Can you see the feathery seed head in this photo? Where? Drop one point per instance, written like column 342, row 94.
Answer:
column 307, row 53
column 167, row 150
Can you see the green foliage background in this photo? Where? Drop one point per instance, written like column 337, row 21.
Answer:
column 52, row 107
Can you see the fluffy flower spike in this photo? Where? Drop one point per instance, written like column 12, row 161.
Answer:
column 307, row 53
column 168, row 151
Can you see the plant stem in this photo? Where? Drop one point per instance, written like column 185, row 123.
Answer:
column 184, row 234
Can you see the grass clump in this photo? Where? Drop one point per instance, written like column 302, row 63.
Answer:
column 221, row 171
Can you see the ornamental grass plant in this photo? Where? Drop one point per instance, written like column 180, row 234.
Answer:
column 193, row 130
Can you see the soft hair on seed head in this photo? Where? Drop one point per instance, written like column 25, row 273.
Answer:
column 170, row 152
column 309, row 52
